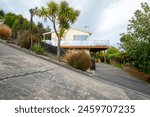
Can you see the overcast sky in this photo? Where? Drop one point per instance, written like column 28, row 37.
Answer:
column 105, row 19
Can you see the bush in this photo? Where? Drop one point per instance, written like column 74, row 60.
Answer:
column 78, row 59
column 38, row 48
column 5, row 32
column 25, row 41
column 116, row 56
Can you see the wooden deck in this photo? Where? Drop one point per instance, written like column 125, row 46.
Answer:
column 91, row 45
column 91, row 48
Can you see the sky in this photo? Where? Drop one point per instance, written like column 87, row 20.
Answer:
column 105, row 19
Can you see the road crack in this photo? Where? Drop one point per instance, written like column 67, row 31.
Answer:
column 27, row 74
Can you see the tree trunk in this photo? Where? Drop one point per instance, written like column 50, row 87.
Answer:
column 31, row 42
column 58, row 43
column 58, row 50
column 105, row 56
column 19, row 35
column 31, row 22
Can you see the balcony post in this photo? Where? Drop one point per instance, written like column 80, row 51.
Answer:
column 44, row 37
column 104, row 56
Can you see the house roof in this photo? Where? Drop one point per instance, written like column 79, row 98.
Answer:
column 81, row 30
column 71, row 28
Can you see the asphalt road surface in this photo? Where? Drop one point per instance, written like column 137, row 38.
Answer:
column 122, row 78
column 24, row 76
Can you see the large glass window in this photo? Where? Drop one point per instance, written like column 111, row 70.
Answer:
column 80, row 37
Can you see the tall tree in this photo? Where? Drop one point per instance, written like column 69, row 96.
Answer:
column 47, row 29
column 40, row 31
column 18, row 26
column 61, row 16
column 10, row 19
column 26, row 25
column 33, row 12
column 2, row 14
column 137, row 41
column 20, row 23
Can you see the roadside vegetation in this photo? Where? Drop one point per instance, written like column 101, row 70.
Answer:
column 5, row 32
column 2, row 14
column 134, row 51
column 78, row 59
column 136, row 43
column 38, row 48
column 19, row 30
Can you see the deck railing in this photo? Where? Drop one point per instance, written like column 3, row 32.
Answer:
column 80, row 43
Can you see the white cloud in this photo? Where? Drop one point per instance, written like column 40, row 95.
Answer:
column 117, row 14
column 105, row 19
column 115, row 18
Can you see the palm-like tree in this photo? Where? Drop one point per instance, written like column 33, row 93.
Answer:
column 20, row 22
column 33, row 12
column 61, row 15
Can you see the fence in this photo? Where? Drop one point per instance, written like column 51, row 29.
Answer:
column 79, row 43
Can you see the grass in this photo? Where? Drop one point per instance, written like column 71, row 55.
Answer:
column 38, row 48
column 135, row 72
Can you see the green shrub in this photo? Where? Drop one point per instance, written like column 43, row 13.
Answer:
column 38, row 48
column 114, row 55
column 5, row 32
column 78, row 59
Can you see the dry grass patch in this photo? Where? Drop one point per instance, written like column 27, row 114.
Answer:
column 5, row 32
column 135, row 72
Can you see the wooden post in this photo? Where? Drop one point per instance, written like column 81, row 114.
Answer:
column 43, row 36
column 99, row 57
column 104, row 56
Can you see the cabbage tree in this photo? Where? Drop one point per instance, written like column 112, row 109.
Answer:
column 62, row 16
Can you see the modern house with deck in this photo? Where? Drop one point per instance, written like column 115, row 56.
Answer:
column 1, row 21
column 77, row 39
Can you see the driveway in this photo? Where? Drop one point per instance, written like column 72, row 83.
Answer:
column 122, row 78
column 23, row 76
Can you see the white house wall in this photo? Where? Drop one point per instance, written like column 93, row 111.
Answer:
column 69, row 36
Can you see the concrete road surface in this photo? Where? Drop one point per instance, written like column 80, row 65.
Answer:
column 23, row 76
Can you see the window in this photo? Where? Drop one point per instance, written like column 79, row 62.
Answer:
column 80, row 37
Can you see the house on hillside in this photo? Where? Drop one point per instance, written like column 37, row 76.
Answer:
column 1, row 21
column 72, row 36
column 75, row 38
